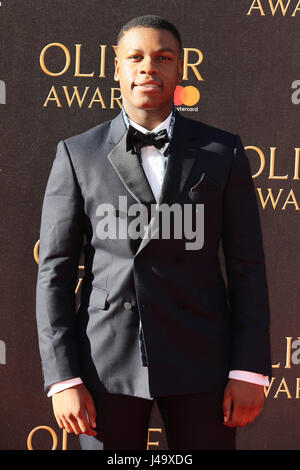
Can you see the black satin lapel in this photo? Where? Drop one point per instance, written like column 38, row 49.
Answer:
column 117, row 129
column 180, row 163
column 131, row 173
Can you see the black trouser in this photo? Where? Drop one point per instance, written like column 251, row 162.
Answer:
column 191, row 422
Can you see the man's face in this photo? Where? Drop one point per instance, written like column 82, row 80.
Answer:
column 149, row 67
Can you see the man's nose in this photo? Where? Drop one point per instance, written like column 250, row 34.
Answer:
column 147, row 66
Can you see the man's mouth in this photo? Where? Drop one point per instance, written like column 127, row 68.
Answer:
column 149, row 85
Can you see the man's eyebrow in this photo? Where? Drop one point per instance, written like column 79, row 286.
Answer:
column 162, row 49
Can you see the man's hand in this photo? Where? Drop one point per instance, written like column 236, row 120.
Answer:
column 75, row 411
column 243, row 401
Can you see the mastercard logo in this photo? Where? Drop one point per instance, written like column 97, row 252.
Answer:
column 188, row 95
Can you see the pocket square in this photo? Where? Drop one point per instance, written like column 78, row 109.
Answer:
column 206, row 183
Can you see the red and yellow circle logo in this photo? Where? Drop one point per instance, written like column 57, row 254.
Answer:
column 188, row 95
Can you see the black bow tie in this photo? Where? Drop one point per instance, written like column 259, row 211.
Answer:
column 136, row 139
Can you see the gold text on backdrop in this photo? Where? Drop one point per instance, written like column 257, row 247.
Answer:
column 89, row 96
column 53, row 434
column 188, row 51
column 65, row 437
column 286, row 8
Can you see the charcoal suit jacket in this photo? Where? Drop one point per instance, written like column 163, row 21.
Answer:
column 154, row 317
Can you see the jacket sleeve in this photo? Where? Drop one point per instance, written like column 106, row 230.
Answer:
column 245, row 266
column 61, row 238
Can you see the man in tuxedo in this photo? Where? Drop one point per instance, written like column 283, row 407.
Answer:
column 148, row 198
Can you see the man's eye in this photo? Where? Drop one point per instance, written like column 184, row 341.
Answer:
column 164, row 58
column 135, row 57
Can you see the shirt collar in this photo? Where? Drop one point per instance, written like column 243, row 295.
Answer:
column 163, row 125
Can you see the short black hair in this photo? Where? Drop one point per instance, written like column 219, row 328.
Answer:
column 150, row 21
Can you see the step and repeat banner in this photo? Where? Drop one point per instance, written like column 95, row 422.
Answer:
column 241, row 73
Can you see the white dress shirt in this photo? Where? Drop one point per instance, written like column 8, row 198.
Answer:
column 153, row 163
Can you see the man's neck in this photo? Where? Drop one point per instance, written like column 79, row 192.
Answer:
column 147, row 118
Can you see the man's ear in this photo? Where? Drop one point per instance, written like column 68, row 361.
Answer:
column 116, row 75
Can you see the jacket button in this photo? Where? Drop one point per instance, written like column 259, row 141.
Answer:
column 127, row 305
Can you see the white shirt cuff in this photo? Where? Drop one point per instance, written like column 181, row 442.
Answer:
column 58, row 387
column 246, row 376
column 252, row 377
